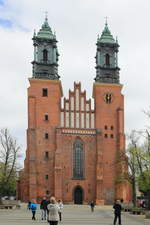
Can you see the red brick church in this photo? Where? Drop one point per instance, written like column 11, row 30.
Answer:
column 72, row 150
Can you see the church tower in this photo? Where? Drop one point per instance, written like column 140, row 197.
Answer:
column 44, row 102
column 109, row 120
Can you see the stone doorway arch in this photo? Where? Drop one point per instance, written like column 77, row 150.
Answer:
column 78, row 195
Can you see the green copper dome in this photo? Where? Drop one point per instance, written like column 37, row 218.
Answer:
column 45, row 31
column 106, row 36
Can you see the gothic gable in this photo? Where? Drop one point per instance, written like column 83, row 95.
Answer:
column 77, row 111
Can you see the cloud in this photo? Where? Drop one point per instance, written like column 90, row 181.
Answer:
column 1, row 2
column 5, row 23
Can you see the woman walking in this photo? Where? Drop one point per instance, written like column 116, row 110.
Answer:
column 53, row 211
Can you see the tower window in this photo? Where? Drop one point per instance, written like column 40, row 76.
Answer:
column 105, row 135
column 46, row 117
column 108, row 98
column 45, row 92
column 112, row 136
column 111, row 127
column 107, row 60
column 105, row 127
column 45, row 55
column 46, row 135
column 46, row 177
column 46, row 155
column 47, row 192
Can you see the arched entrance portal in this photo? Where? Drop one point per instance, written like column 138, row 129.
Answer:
column 78, row 195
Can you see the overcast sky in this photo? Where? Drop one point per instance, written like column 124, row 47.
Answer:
column 77, row 24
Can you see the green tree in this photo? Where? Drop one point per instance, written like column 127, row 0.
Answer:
column 133, row 153
column 144, row 168
column 9, row 153
column 144, row 186
column 130, row 158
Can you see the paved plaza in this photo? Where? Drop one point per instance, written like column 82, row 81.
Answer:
column 72, row 215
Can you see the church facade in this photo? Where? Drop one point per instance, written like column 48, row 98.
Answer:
column 72, row 149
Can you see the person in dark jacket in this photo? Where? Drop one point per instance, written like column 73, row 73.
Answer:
column 117, row 212
column 43, row 207
column 48, row 202
column 29, row 205
column 92, row 204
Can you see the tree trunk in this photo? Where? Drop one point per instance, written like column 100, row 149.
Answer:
column 134, row 192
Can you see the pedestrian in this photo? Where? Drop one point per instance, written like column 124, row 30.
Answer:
column 92, row 205
column 117, row 212
column 33, row 209
column 53, row 211
column 48, row 202
column 122, row 203
column 29, row 205
column 143, row 204
column 60, row 204
column 43, row 207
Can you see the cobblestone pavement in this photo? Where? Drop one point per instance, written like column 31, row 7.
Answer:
column 72, row 215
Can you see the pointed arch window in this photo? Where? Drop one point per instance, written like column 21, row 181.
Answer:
column 107, row 60
column 45, row 55
column 78, row 159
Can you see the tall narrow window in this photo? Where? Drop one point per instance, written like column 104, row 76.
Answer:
column 46, row 155
column 44, row 92
column 45, row 55
column 107, row 60
column 47, row 192
column 46, row 135
column 46, row 117
column 78, row 160
column 46, row 177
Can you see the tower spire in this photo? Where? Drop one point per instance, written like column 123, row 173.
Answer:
column 107, row 70
column 45, row 64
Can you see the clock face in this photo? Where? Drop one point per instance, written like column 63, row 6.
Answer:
column 108, row 97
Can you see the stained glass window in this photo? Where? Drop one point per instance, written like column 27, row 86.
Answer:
column 78, row 160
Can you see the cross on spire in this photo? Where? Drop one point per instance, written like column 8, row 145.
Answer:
column 106, row 18
column 46, row 15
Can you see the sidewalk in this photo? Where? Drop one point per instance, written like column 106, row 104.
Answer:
column 72, row 215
